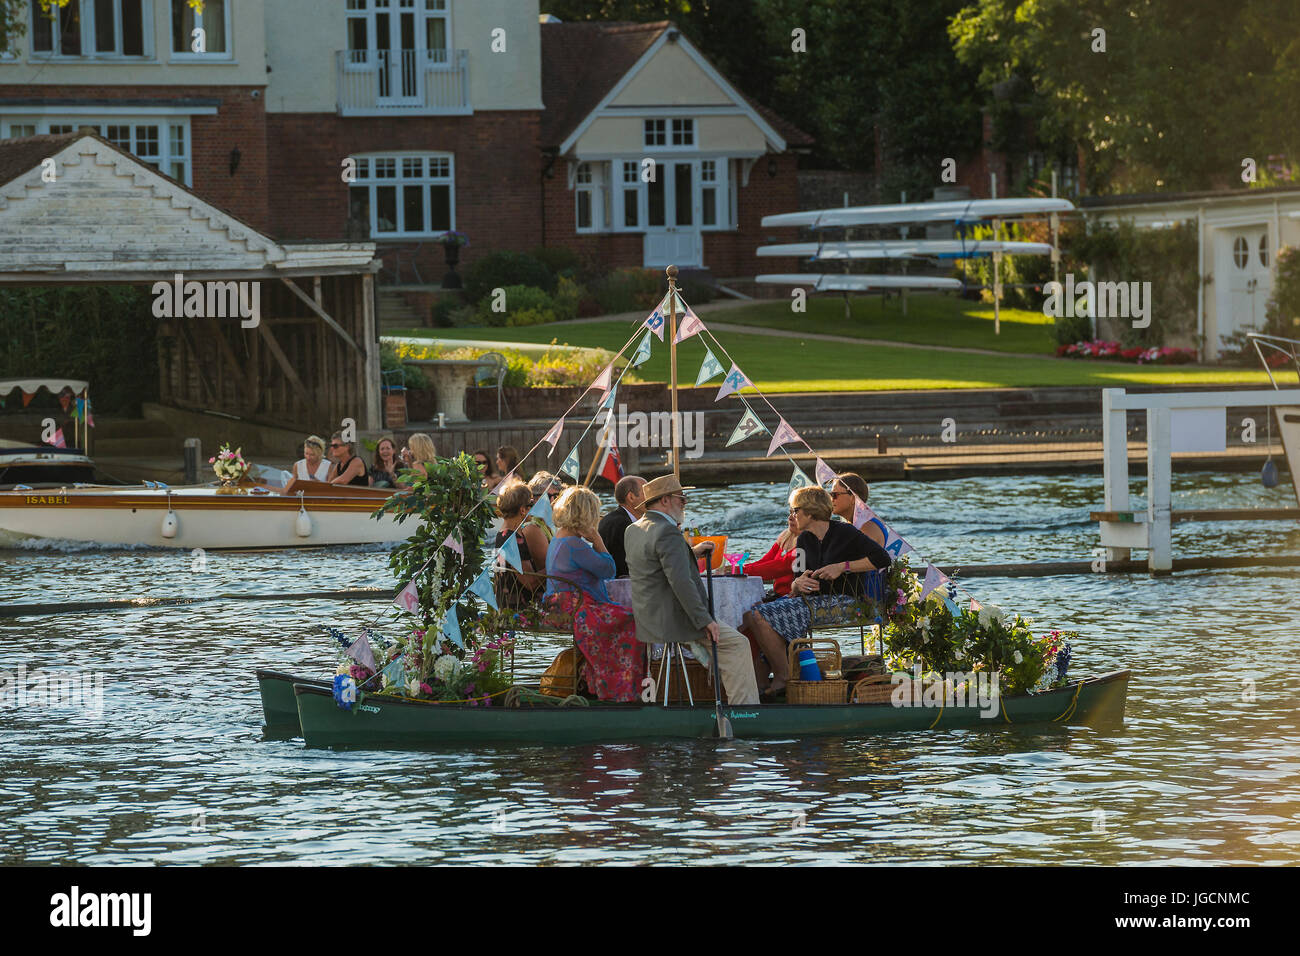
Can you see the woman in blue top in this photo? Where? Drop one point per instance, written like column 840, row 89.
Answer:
column 849, row 487
column 576, row 575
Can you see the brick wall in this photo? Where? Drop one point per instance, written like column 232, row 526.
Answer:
column 497, row 166
column 240, row 122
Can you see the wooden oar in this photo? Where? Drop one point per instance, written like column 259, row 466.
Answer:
column 724, row 724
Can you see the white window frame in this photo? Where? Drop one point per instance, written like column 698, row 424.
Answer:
column 725, row 183
column 366, row 179
column 163, row 123
column 189, row 55
column 424, row 10
column 87, row 8
column 596, row 188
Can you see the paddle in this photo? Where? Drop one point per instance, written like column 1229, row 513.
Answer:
column 724, row 724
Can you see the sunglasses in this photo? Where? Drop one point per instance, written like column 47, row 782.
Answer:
column 836, row 494
column 480, row 461
column 335, row 444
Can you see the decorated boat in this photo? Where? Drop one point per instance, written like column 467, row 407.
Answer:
column 443, row 672
column 63, row 459
column 247, row 515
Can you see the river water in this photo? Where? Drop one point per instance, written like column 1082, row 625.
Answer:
column 173, row 770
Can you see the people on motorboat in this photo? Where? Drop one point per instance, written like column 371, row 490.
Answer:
column 578, row 563
column 313, row 465
column 669, row 602
column 629, row 506
column 347, row 468
column 513, row 588
column 419, row 451
column 383, row 474
column 544, row 483
column 508, row 461
column 485, row 469
column 776, row 566
column 835, row 555
column 847, row 485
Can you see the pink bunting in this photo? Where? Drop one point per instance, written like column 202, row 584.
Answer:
column 933, row 578
column 361, row 652
column 455, row 545
column 825, row 473
column 783, row 435
column 603, row 380
column 408, row 599
column 734, row 382
column 691, row 325
column 553, row 436
column 861, row 513
column 975, row 605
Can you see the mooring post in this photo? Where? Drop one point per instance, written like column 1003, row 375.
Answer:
column 1114, row 461
column 1160, row 557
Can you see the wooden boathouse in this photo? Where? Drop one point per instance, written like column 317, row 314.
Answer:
column 272, row 333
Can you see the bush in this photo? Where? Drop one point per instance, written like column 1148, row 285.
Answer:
column 627, row 290
column 390, row 359
column 553, row 367
column 1071, row 329
column 568, row 295
column 497, row 270
column 561, row 260
column 524, row 305
column 443, row 308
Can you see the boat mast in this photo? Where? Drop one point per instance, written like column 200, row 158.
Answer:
column 671, row 272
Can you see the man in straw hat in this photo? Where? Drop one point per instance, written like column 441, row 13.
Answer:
column 668, row 598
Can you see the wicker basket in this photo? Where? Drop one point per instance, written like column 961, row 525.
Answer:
column 875, row 689
column 832, row 689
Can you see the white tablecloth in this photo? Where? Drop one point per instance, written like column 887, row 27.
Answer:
column 732, row 596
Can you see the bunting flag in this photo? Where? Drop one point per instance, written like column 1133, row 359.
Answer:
column 797, row 480
column 784, row 435
column 79, row 409
column 361, row 652
column 690, row 325
column 709, row 368
column 27, row 397
column 747, row 426
column 609, row 398
column 861, row 513
column 656, row 320
column 612, row 466
column 482, row 587
column 975, row 605
column 951, row 605
column 825, row 473
column 57, row 440
column 552, row 436
column 454, row 544
column 395, row 672
column 408, row 599
column 451, row 625
column 542, row 509
column 603, row 380
column 933, row 579
column 510, row 551
column 734, row 382
column 642, row 353
column 90, row 418
column 895, row 544
column 571, row 465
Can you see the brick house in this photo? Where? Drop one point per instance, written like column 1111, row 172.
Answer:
column 447, row 114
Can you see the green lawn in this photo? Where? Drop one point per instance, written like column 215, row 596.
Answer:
column 931, row 319
column 791, row 365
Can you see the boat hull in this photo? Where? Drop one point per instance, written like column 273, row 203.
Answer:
column 203, row 519
column 1288, row 419
column 279, row 705
column 381, row 723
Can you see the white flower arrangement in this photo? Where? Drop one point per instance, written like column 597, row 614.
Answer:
column 445, row 667
column 1018, row 657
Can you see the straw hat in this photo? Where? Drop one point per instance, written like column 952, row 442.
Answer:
column 661, row 486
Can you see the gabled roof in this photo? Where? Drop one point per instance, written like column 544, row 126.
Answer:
column 583, row 61
column 18, row 156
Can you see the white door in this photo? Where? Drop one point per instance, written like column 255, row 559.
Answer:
column 672, row 235
column 396, row 53
column 1243, row 279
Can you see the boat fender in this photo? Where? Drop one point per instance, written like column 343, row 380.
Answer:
column 303, row 524
column 1268, row 475
column 170, row 524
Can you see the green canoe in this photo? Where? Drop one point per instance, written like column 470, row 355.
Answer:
column 385, row 723
column 279, row 707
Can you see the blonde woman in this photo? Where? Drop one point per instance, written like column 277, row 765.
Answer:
column 515, row 589
column 578, row 565
column 312, row 466
column 419, row 449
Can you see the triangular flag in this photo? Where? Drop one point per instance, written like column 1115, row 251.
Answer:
column 27, row 398
column 895, row 544
column 571, row 466
column 90, row 419
column 709, row 368
column 612, row 466
column 552, row 436
column 482, row 586
column 933, row 578
column 951, row 605
column 783, row 435
column 408, row 599
column 642, row 353
column 361, row 652
column 455, row 545
column 689, row 325
column 748, row 425
column 609, row 398
column 395, row 672
column 500, row 485
column 734, row 382
column 798, row 480
column 825, row 473
column 510, row 551
column 57, row 440
column 657, row 319
column 861, row 513
column 451, row 626
column 542, row 509
column 975, row 605
column 603, row 380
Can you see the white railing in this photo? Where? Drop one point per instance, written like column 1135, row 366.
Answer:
column 395, row 82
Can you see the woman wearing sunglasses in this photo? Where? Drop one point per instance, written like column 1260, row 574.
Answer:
column 848, row 489
column 347, row 469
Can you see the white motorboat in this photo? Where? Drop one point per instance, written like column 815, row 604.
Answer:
column 1288, row 416
column 302, row 514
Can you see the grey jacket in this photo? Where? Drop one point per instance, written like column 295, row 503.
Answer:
column 669, row 602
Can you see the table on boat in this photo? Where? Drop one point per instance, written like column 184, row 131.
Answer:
column 733, row 595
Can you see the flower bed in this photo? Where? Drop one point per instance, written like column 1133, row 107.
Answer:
column 1114, row 352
